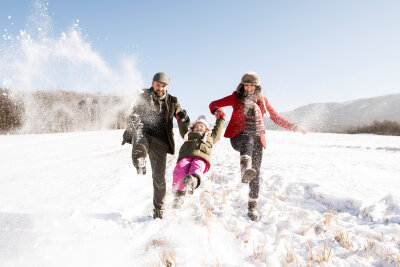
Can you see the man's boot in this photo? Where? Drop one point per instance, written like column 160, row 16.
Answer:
column 178, row 199
column 248, row 173
column 158, row 213
column 252, row 212
column 191, row 182
column 139, row 159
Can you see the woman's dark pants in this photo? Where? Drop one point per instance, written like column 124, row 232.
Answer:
column 250, row 145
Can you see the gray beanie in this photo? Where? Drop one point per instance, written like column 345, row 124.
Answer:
column 161, row 77
column 251, row 77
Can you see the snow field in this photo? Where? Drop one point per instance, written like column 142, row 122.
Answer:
column 74, row 199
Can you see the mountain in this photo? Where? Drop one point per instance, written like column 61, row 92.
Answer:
column 338, row 117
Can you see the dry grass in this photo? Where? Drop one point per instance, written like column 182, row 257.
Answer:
column 202, row 195
column 323, row 254
column 246, row 235
column 307, row 228
column 389, row 256
column 223, row 196
column 208, row 214
column 259, row 253
column 266, row 216
column 167, row 258
column 398, row 240
column 344, row 240
column 158, row 242
column 370, row 248
column 211, row 177
column 327, row 221
column 290, row 256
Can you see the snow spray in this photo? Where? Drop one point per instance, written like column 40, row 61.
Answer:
column 36, row 59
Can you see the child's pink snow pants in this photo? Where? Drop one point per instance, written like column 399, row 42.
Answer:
column 187, row 165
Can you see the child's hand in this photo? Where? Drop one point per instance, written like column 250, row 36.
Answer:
column 219, row 113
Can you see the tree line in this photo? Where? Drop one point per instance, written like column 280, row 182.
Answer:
column 60, row 111
column 385, row 127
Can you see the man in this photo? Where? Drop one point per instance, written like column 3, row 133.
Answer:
column 150, row 132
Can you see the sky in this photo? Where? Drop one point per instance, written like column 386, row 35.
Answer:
column 304, row 51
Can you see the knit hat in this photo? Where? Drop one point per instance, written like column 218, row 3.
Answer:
column 201, row 119
column 161, row 77
column 251, row 77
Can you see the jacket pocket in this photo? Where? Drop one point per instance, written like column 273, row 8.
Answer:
column 205, row 148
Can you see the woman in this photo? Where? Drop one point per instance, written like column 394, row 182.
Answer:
column 246, row 131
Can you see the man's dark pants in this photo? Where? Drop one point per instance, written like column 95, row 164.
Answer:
column 157, row 151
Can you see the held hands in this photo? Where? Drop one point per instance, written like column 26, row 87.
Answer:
column 219, row 113
column 182, row 115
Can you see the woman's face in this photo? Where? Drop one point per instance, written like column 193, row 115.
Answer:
column 199, row 127
column 249, row 88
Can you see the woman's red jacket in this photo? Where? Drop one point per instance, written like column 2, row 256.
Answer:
column 237, row 123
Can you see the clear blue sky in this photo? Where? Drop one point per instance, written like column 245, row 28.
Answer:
column 304, row 51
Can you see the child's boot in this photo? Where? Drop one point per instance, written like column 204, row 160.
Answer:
column 178, row 199
column 252, row 212
column 191, row 182
column 248, row 173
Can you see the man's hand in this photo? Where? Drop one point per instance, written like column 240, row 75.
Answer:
column 182, row 115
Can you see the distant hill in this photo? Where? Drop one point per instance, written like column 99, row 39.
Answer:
column 338, row 117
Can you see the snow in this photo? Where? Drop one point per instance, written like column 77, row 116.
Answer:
column 74, row 199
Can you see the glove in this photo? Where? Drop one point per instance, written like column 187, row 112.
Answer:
column 219, row 114
column 127, row 137
column 183, row 115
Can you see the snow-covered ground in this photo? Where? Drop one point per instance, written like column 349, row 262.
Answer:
column 74, row 199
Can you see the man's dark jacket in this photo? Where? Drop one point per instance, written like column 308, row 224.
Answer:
column 143, row 108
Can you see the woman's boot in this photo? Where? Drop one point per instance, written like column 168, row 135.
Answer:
column 248, row 173
column 252, row 212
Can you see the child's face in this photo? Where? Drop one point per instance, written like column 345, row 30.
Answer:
column 249, row 88
column 199, row 127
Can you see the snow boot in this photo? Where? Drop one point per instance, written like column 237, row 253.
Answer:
column 252, row 212
column 139, row 159
column 248, row 173
column 158, row 213
column 178, row 199
column 191, row 183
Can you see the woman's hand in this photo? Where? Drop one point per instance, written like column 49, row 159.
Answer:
column 219, row 113
column 297, row 128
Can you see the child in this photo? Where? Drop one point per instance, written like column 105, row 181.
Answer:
column 194, row 156
column 246, row 130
